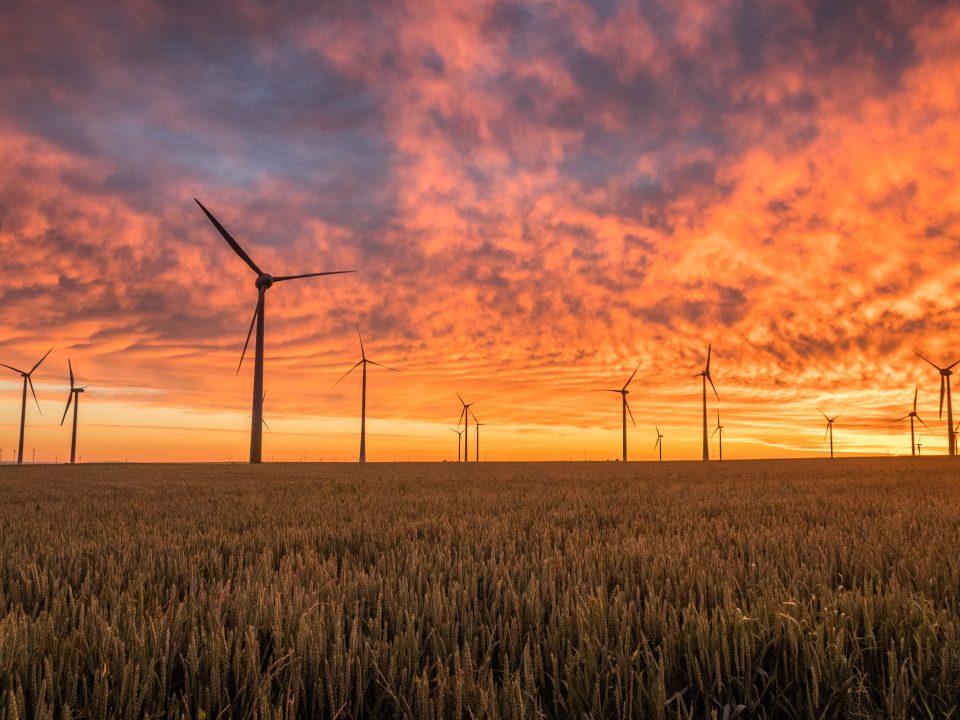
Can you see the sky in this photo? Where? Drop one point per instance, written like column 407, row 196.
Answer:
column 537, row 197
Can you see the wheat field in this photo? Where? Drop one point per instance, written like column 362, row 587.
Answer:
column 562, row 590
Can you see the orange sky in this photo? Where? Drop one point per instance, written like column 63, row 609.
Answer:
column 536, row 197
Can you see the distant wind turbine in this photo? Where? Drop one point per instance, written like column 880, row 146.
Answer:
column 263, row 283
column 919, row 445
column 459, row 436
column 945, row 373
column 706, row 378
column 659, row 443
column 27, row 380
column 73, row 396
column 477, row 425
column 719, row 429
column 913, row 414
column 363, row 394
column 465, row 416
column 625, row 408
column 829, row 429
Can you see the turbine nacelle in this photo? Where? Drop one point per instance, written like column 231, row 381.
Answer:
column 264, row 281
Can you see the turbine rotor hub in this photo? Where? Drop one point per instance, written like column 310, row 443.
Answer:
column 264, row 281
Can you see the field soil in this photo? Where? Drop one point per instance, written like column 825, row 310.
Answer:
column 776, row 589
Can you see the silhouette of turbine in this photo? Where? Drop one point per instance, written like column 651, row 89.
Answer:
column 477, row 425
column 27, row 380
column 363, row 394
column 706, row 378
column 625, row 408
column 659, row 443
column 459, row 436
column 464, row 415
column 829, row 430
column 73, row 396
column 263, row 283
column 913, row 414
column 945, row 373
column 719, row 429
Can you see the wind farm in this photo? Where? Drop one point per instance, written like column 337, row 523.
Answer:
column 524, row 210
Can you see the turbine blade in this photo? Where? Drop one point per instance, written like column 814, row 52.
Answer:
column 713, row 386
column 383, row 366
column 70, row 365
column 715, row 431
column 629, row 411
column 282, row 278
column 824, row 415
column 66, row 409
column 265, row 425
column 253, row 322
column 899, row 419
column 347, row 373
column 826, row 432
column 30, row 382
column 16, row 370
column 925, row 360
column 363, row 354
column 229, row 238
column 922, row 422
column 915, row 391
column 40, row 361
column 709, row 350
column 460, row 399
column 951, row 367
column 941, row 396
column 631, row 376
column 657, row 442
column 460, row 419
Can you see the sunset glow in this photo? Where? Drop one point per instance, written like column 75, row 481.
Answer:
column 536, row 197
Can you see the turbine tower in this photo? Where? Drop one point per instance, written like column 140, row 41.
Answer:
column 263, row 283
column 659, row 443
column 829, row 430
column 945, row 373
column 363, row 394
column 706, row 378
column 27, row 380
column 719, row 429
column 625, row 408
column 73, row 396
column 913, row 414
column 459, row 436
column 465, row 416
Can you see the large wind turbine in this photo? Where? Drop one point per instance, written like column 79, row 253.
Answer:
column 74, row 396
column 625, row 408
column 465, row 416
column 706, row 378
column 659, row 443
column 27, row 380
column 263, row 283
column 829, row 430
column 719, row 429
column 945, row 373
column 363, row 402
column 913, row 414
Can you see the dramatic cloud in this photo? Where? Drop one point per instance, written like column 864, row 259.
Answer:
column 537, row 196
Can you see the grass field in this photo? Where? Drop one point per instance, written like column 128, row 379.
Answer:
column 759, row 589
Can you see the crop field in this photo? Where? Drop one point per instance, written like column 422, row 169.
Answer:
column 563, row 590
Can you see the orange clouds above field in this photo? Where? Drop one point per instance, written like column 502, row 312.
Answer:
column 536, row 197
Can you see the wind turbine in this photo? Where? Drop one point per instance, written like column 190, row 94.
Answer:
column 659, row 443
column 459, row 436
column 363, row 394
column 465, row 416
column 73, row 396
column 913, row 414
column 945, row 374
column 263, row 283
column 625, row 408
column 719, row 429
column 27, row 380
column 918, row 448
column 477, row 425
column 829, row 430
column 706, row 378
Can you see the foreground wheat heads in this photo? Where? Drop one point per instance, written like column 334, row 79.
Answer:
column 792, row 589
